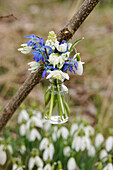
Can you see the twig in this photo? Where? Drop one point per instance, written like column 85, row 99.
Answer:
column 65, row 34
column 7, row 16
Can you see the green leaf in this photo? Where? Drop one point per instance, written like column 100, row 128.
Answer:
column 76, row 42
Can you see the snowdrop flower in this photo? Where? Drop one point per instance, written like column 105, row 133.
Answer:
column 25, row 49
column 109, row 143
column 57, row 74
column 63, row 131
column 67, row 151
column 71, row 165
column 9, row 147
column 61, row 47
column 44, row 144
column 50, row 43
column 54, row 59
column 99, row 139
column 79, row 70
column 3, row 155
column 16, row 167
column 35, row 161
column 54, row 134
column 46, row 126
column 109, row 166
column 38, row 114
column 103, row 155
column 34, row 66
column 48, row 153
column 89, row 131
column 38, row 162
column 91, row 151
column 22, row 149
column 34, row 121
column 74, row 127
column 23, row 116
column 33, row 135
column 47, row 167
column 22, row 130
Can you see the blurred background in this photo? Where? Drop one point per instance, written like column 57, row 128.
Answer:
column 91, row 95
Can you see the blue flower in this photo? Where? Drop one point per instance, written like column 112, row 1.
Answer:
column 33, row 40
column 70, row 65
column 46, row 68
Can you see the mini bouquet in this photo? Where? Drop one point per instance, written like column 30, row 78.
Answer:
column 54, row 57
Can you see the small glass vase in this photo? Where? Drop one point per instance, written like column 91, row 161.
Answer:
column 56, row 106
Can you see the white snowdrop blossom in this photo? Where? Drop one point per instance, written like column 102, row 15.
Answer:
column 25, row 49
column 44, row 144
column 109, row 166
column 67, row 151
column 22, row 130
column 23, row 116
column 81, row 143
column 38, row 114
column 57, row 74
column 3, row 155
column 22, row 149
column 54, row 59
column 34, row 122
column 89, row 130
column 74, row 128
column 99, row 139
column 63, row 131
column 48, row 152
column 61, row 47
column 10, row 149
column 103, row 155
column 35, row 161
column 16, row 167
column 51, row 44
column 79, row 70
column 34, row 66
column 47, row 167
column 91, row 151
column 71, row 164
column 33, row 135
column 109, row 143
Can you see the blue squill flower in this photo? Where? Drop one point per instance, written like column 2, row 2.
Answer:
column 33, row 40
column 70, row 65
column 46, row 68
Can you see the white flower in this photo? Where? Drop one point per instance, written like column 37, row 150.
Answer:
column 25, row 49
column 54, row 136
column 89, row 130
column 16, row 167
column 91, row 151
column 44, row 144
column 103, row 155
column 23, row 116
column 3, row 155
column 74, row 127
column 71, row 165
column 38, row 114
column 99, row 139
column 57, row 74
column 67, row 151
column 46, row 126
column 50, row 43
column 22, row 130
column 34, row 122
column 9, row 147
column 61, row 47
column 33, row 135
column 54, row 59
column 109, row 143
column 38, row 162
column 34, row 66
column 63, row 131
column 22, row 149
column 47, row 167
column 48, row 153
column 79, row 70
column 109, row 166
column 31, row 163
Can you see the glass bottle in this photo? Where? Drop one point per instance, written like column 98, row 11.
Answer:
column 56, row 106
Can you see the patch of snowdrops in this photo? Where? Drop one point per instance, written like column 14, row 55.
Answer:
column 35, row 144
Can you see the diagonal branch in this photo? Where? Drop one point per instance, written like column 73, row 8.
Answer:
column 65, row 34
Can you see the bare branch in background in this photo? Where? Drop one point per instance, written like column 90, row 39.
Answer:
column 8, row 16
column 34, row 78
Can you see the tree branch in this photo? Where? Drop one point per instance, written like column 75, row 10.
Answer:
column 34, row 78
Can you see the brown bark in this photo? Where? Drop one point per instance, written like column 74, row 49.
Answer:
column 65, row 34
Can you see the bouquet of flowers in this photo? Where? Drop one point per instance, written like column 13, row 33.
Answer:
column 54, row 57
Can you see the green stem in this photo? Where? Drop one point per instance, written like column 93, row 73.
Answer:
column 51, row 104
column 65, row 105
